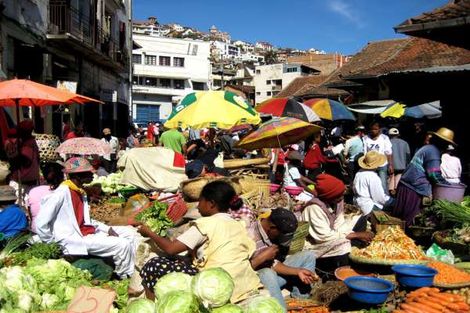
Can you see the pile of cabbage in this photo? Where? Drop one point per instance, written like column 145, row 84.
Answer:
column 209, row 291
column 109, row 184
column 42, row 285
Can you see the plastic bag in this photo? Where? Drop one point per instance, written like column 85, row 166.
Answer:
column 135, row 204
column 440, row 254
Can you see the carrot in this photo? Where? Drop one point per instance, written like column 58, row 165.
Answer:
column 427, row 301
column 463, row 306
column 424, row 308
column 398, row 311
column 410, row 308
column 448, row 274
column 444, row 296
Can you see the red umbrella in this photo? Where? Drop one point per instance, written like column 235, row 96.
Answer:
column 287, row 107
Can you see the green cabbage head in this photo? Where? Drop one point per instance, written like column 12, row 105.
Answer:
column 177, row 302
column 173, row 282
column 228, row 308
column 264, row 304
column 214, row 286
column 141, row 306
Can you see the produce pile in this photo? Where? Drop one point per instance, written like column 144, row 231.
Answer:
column 448, row 274
column 111, row 183
column 107, row 209
column 209, row 291
column 391, row 244
column 453, row 212
column 156, row 218
column 431, row 300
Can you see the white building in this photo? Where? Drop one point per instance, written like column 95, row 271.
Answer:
column 225, row 50
column 165, row 70
column 270, row 79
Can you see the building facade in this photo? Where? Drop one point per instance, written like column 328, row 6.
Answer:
column 164, row 71
column 269, row 80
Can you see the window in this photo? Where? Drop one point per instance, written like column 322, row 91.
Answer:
column 275, row 93
column 258, row 93
column 165, row 61
column 291, row 70
column 268, row 82
column 178, row 83
column 199, row 86
column 150, row 81
column 258, row 71
column 165, row 83
column 178, row 62
column 277, row 82
column 150, row 60
column 194, row 49
column 268, row 93
column 137, row 58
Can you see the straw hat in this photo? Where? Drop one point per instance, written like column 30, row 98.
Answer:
column 445, row 134
column 7, row 193
column 78, row 165
column 372, row 160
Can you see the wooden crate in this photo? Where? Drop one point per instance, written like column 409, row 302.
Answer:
column 381, row 221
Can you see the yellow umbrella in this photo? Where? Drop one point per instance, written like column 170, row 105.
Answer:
column 221, row 109
column 395, row 110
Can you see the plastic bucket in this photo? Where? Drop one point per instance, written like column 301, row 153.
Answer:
column 454, row 192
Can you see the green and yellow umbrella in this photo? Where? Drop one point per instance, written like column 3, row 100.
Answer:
column 278, row 132
column 221, row 109
column 395, row 110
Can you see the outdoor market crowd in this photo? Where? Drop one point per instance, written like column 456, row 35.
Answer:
column 374, row 168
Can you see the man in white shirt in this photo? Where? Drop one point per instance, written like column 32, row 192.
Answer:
column 376, row 141
column 110, row 160
column 369, row 194
column 451, row 168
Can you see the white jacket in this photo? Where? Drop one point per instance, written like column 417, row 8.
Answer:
column 56, row 222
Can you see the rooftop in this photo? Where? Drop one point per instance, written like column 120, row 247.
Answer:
column 299, row 83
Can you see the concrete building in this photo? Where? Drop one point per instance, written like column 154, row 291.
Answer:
column 326, row 63
column 84, row 45
column 269, row 80
column 165, row 70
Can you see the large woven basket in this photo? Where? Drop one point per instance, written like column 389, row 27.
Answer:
column 239, row 163
column 364, row 260
column 249, row 183
column 192, row 188
column 47, row 144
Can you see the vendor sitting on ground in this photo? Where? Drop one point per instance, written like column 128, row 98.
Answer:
column 369, row 194
column 12, row 219
column 275, row 270
column 293, row 178
column 197, row 169
column 215, row 240
column 330, row 233
column 64, row 218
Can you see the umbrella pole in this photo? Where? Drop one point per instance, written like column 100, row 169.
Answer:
column 18, row 146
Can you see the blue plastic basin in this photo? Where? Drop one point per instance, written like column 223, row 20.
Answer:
column 368, row 289
column 414, row 276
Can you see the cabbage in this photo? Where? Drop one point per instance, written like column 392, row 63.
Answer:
column 178, row 302
column 214, row 286
column 264, row 304
column 175, row 281
column 228, row 308
column 141, row 306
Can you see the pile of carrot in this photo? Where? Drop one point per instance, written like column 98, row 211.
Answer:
column 447, row 274
column 431, row 300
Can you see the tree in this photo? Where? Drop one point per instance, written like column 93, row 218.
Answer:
column 270, row 57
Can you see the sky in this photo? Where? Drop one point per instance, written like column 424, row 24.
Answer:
column 343, row 26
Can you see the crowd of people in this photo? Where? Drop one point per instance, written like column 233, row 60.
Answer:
column 375, row 168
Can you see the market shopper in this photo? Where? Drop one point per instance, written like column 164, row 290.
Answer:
column 315, row 159
column 369, row 194
column 330, row 234
column 353, row 149
column 376, row 141
column 215, row 240
column 12, row 218
column 173, row 139
column 293, row 178
column 424, row 171
column 64, row 217
column 451, row 167
column 401, row 156
column 109, row 161
column 275, row 270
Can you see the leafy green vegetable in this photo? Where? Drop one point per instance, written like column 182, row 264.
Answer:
column 228, row 308
column 13, row 244
column 452, row 212
column 156, row 218
column 141, row 306
column 38, row 250
column 178, row 302
column 172, row 282
column 120, row 287
column 213, row 286
column 264, row 304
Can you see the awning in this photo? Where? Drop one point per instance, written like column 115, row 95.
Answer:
column 371, row 107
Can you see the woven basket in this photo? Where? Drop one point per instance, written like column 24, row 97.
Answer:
column 298, row 241
column 452, row 286
column 192, row 188
column 249, row 183
column 47, row 144
column 365, row 260
column 239, row 163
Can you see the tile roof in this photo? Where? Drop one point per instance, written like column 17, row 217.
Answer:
column 300, row 82
column 245, row 89
column 409, row 54
column 320, row 91
column 457, row 10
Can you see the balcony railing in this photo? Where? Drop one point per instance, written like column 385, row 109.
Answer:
column 64, row 19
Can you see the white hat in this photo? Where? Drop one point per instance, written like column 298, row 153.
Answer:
column 450, row 148
column 393, row 131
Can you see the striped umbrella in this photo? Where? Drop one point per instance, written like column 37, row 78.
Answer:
column 287, row 107
column 329, row 109
column 278, row 132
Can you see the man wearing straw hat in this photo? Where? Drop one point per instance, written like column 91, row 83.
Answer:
column 369, row 194
column 422, row 173
column 64, row 218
